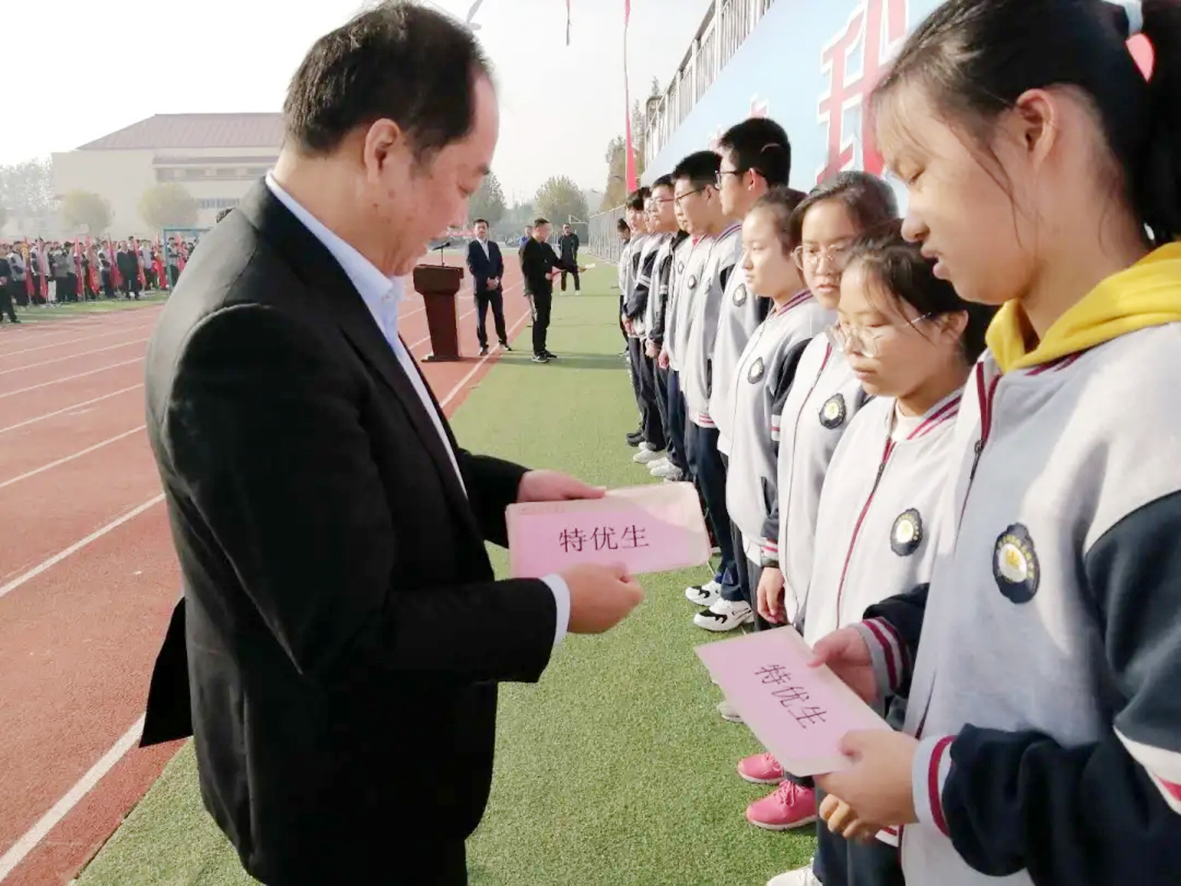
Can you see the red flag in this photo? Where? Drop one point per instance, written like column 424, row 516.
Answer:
column 116, row 275
column 632, row 182
column 92, row 254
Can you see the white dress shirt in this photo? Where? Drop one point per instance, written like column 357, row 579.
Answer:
column 382, row 295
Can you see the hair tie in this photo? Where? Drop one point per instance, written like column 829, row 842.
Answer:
column 1134, row 11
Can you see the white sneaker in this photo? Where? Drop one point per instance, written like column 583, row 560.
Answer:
column 664, row 469
column 704, row 595
column 658, row 463
column 798, row 877
column 729, row 712
column 725, row 615
column 647, row 456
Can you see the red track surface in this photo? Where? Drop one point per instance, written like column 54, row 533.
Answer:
column 84, row 603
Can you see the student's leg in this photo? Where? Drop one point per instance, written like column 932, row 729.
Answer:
column 706, row 463
column 544, row 305
column 677, row 448
column 649, row 413
column 577, row 279
column 660, row 378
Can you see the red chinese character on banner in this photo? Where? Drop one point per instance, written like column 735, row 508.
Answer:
column 873, row 31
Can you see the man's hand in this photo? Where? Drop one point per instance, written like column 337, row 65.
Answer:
column 878, row 784
column 663, row 360
column 600, row 597
column 650, row 350
column 845, row 652
column 770, row 596
column 493, row 282
column 555, row 486
column 629, row 326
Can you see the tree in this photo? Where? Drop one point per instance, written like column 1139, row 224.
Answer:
column 616, row 174
column 168, row 205
column 488, row 202
column 558, row 199
column 80, row 208
column 3, row 216
column 27, row 188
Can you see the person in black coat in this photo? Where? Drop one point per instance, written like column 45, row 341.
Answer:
column 338, row 647
column 487, row 269
column 540, row 265
column 568, row 252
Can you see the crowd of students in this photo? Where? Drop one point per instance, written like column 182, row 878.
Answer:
column 943, row 448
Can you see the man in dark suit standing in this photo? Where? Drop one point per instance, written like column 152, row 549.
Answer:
column 487, row 269
column 540, row 265
column 337, row 650
column 568, row 252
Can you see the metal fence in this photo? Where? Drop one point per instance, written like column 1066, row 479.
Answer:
column 603, row 240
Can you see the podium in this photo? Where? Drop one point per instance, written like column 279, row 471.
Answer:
column 438, row 285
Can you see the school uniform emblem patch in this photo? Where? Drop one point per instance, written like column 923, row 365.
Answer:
column 740, row 295
column 756, row 370
column 832, row 413
column 692, row 281
column 1015, row 565
column 680, row 267
column 907, row 533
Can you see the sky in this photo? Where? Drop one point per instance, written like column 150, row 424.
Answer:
column 108, row 65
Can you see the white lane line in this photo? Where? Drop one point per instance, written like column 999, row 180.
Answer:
column 34, row 835
column 44, row 565
column 73, row 341
column 28, row 366
column 56, row 381
column 467, row 378
column 64, row 409
column 68, row 458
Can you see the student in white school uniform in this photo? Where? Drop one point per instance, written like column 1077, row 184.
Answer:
column 825, row 394
column 636, row 319
column 912, row 342
column 764, row 373
column 1042, row 664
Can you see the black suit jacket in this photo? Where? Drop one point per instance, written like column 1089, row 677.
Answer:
column 483, row 266
column 341, row 633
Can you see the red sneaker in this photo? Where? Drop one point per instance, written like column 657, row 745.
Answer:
column 761, row 769
column 791, row 806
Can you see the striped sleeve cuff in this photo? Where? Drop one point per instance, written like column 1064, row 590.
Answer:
column 770, row 551
column 776, row 421
column 932, row 765
column 891, row 662
column 1163, row 766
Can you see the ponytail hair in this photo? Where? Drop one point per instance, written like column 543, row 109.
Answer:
column 975, row 58
column 899, row 268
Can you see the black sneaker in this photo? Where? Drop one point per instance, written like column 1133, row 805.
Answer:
column 540, row 358
column 551, row 355
column 504, row 346
column 635, row 438
column 484, row 351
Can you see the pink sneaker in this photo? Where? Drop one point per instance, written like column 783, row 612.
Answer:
column 761, row 769
column 791, row 806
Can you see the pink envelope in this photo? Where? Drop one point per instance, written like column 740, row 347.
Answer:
column 654, row 528
column 797, row 712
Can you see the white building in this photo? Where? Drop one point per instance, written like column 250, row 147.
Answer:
column 217, row 157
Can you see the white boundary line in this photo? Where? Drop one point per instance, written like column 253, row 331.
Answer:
column 44, row 565
column 56, row 381
column 462, row 316
column 74, row 341
column 467, row 378
column 29, row 839
column 29, row 421
column 126, row 344
column 78, row 454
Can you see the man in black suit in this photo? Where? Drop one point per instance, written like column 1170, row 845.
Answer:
column 487, row 269
column 337, row 650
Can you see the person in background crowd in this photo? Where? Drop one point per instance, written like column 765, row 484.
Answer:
column 63, row 265
column 486, row 266
column 526, row 237
column 18, row 279
column 5, row 290
column 635, row 314
column 568, row 250
column 629, row 263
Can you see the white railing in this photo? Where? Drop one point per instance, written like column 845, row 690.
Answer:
column 726, row 26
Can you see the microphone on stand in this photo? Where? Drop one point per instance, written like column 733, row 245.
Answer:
column 446, row 244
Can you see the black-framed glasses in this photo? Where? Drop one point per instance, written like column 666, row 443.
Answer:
column 737, row 173
column 678, row 199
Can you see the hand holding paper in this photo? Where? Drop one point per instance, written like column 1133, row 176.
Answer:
column 878, row 784
column 643, row 529
column 799, row 712
column 600, row 597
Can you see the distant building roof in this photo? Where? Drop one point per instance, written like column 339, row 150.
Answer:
column 194, row 131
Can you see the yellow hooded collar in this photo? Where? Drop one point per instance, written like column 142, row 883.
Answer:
column 1146, row 294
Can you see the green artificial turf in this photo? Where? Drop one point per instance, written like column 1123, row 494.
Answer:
column 616, row 768
column 49, row 313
